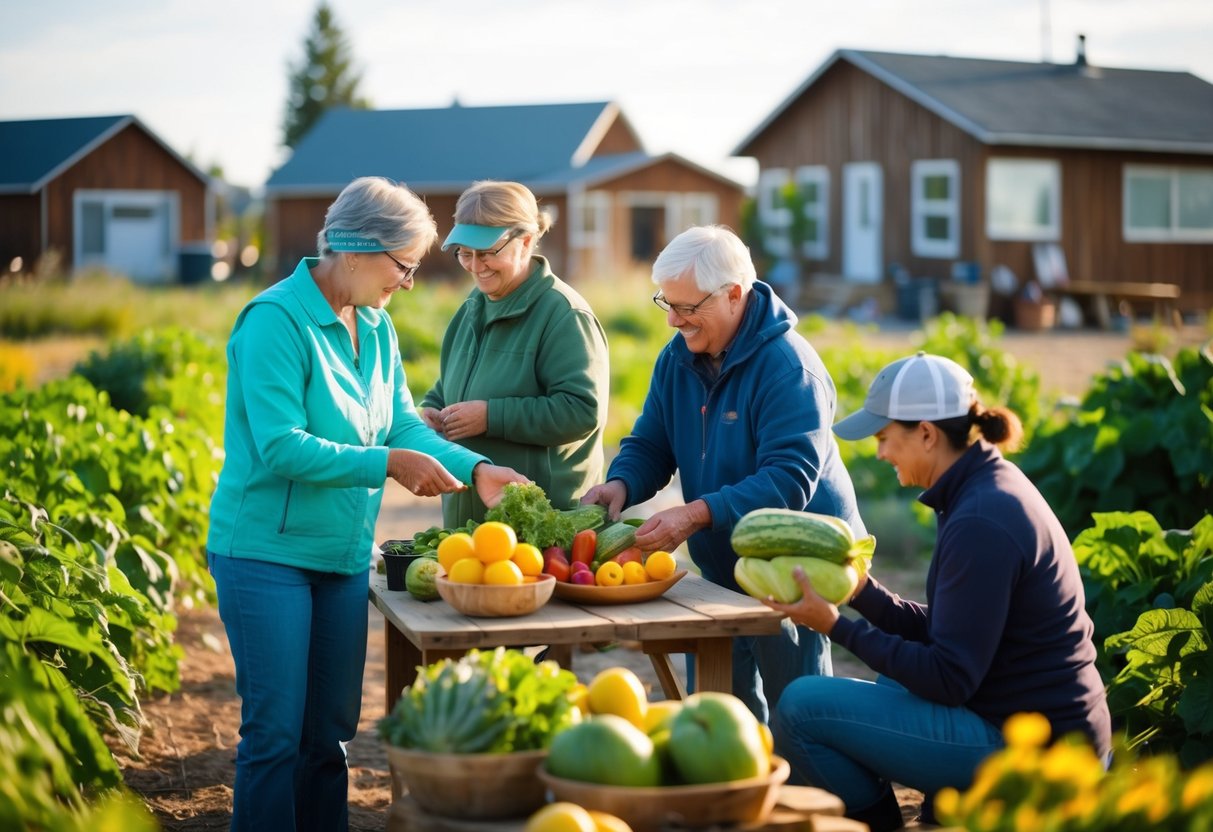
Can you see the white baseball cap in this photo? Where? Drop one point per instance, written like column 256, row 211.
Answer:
column 920, row 388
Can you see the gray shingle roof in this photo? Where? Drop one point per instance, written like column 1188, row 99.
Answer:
column 444, row 149
column 1044, row 104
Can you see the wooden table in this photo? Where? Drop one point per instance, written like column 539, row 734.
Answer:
column 694, row 616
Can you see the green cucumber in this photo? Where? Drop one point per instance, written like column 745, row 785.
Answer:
column 613, row 539
column 774, row 532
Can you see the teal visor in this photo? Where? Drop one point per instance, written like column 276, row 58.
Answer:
column 475, row 237
column 340, row 240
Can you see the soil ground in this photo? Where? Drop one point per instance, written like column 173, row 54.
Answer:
column 186, row 769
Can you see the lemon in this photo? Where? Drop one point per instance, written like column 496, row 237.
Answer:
column 456, row 547
column 494, row 541
column 528, row 558
column 467, row 571
column 617, row 690
column 660, row 565
column 561, row 817
column 633, row 573
column 608, row 823
column 503, row 572
column 609, row 574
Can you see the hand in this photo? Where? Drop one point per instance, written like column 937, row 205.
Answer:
column 667, row 530
column 432, row 418
column 464, row 420
column 490, row 479
column 812, row 611
column 612, row 494
column 421, row 473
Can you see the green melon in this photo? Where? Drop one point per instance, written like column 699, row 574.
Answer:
column 420, row 577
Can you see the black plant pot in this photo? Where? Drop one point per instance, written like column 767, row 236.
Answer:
column 397, row 555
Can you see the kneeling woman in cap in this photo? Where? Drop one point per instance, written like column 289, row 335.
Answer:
column 1003, row 629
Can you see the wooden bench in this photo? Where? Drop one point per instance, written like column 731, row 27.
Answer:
column 1162, row 296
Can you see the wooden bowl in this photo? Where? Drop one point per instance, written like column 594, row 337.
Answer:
column 496, row 601
column 474, row 786
column 622, row 594
column 651, row 809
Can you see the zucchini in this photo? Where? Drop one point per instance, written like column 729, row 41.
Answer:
column 773, row 532
column 586, row 517
column 613, row 539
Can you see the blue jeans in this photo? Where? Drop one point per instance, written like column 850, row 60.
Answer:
column 763, row 666
column 853, row 738
column 298, row 638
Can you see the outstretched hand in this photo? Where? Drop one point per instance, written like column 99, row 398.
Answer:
column 668, row 529
column 421, row 473
column 612, row 494
column 490, row 479
column 811, row 611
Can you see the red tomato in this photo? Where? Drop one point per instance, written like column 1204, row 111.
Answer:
column 584, row 544
column 555, row 563
column 630, row 555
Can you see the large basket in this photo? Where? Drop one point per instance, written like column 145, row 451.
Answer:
column 474, row 786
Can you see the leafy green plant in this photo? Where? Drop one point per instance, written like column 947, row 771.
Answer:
column 1165, row 691
column 1130, row 564
column 1142, row 438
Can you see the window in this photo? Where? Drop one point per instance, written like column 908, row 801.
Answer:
column 1023, row 199
column 698, row 209
column 935, row 208
column 813, row 183
column 773, row 214
column 590, row 212
column 1168, row 204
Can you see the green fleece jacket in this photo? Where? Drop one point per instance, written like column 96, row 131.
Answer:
column 539, row 358
column 307, row 431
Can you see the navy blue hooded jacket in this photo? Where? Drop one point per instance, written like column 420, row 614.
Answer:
column 1004, row 629
column 757, row 435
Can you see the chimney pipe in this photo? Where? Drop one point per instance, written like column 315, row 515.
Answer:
column 1081, row 58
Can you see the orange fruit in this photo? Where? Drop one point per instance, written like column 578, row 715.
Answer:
column 494, row 541
column 608, row 823
column 456, row 547
column 561, row 817
column 528, row 558
column 660, row 565
column 503, row 572
column 617, row 690
column 467, row 571
column 609, row 574
column 633, row 573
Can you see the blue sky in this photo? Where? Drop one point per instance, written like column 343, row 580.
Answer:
column 693, row 76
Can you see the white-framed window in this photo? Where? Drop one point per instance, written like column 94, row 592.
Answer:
column 935, row 208
column 813, row 182
column 1023, row 199
column 1168, row 204
column 699, row 209
column 590, row 212
column 773, row 213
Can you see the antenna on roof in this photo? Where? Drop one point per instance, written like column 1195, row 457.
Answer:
column 1080, row 59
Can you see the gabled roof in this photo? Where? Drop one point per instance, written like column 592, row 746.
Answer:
column 36, row 151
column 436, row 150
column 1041, row 104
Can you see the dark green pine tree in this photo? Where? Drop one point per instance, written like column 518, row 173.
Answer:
column 324, row 79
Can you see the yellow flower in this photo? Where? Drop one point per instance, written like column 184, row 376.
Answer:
column 1198, row 790
column 1030, row 730
column 947, row 803
column 1026, row 819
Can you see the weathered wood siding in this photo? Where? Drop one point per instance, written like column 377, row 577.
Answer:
column 20, row 230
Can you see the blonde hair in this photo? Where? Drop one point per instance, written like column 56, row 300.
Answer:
column 502, row 204
column 382, row 210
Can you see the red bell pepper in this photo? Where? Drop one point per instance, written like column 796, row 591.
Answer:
column 584, row 544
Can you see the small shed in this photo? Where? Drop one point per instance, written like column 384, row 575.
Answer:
column 946, row 167
column 100, row 192
column 615, row 206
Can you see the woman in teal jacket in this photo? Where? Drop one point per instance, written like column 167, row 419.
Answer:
column 319, row 415
column 524, row 372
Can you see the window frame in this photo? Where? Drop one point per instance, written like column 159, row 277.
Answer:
column 819, row 175
column 774, row 218
column 921, row 207
column 1049, row 233
column 1173, row 234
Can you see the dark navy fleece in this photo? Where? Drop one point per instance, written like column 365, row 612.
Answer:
column 1004, row 629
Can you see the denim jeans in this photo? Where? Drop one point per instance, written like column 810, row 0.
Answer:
column 853, row 737
column 763, row 666
column 298, row 638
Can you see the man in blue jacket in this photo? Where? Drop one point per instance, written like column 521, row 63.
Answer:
column 741, row 406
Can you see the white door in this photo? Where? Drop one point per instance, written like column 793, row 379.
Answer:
column 127, row 232
column 135, row 241
column 863, row 222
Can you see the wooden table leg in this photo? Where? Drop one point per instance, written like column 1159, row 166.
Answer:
column 714, row 664
column 671, row 682
column 401, row 658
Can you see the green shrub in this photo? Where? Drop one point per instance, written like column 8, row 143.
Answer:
column 1141, row 438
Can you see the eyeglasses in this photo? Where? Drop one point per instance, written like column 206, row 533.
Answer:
column 406, row 272
column 682, row 310
column 465, row 255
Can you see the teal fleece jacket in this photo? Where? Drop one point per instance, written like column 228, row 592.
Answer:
column 308, row 428
column 539, row 358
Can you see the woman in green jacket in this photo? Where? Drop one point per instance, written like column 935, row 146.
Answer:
column 524, row 371
column 319, row 416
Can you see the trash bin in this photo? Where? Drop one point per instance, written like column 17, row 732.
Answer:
column 918, row 298
column 194, row 263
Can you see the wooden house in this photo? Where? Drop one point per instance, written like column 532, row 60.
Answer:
column 923, row 165
column 614, row 205
column 99, row 192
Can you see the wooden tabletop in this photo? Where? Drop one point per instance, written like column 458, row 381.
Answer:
column 692, row 616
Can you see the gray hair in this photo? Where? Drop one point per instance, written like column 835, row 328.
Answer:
column 714, row 254
column 381, row 210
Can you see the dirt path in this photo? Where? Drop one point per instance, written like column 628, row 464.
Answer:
column 187, row 766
